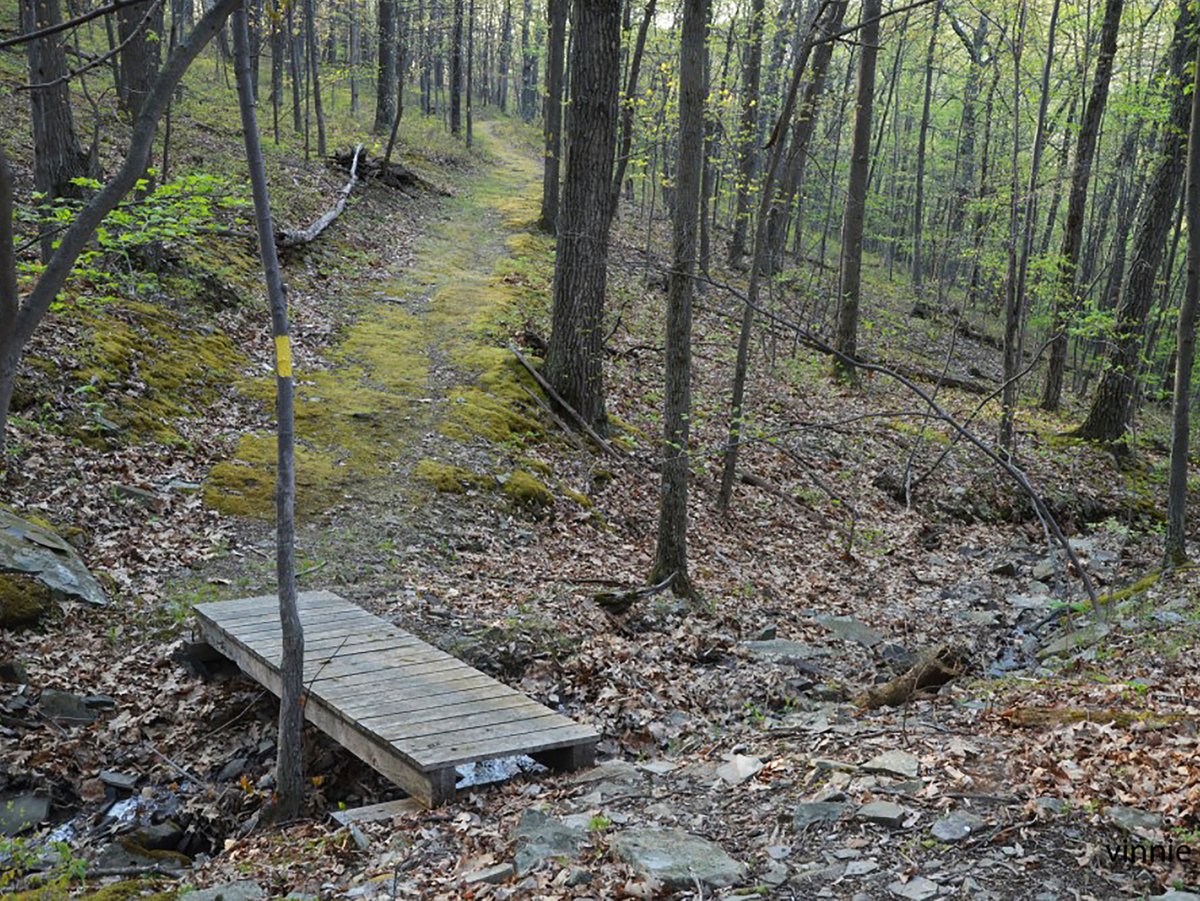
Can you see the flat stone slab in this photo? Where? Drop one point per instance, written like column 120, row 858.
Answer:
column 22, row 812
column 678, row 859
column 894, row 763
column 1133, row 820
column 541, row 837
column 916, row 889
column 233, row 891
column 813, row 812
column 956, row 826
column 777, row 648
column 28, row 548
column 883, row 813
column 851, row 629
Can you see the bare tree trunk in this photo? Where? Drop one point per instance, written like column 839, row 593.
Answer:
column 528, row 66
column 506, row 42
column 856, row 195
column 575, row 356
column 289, row 765
column 747, row 133
column 310, row 29
column 139, row 30
column 385, row 79
column 1175, row 552
column 293, row 41
column 1111, row 409
column 456, row 68
column 556, row 11
column 918, row 262
column 670, row 555
column 627, row 107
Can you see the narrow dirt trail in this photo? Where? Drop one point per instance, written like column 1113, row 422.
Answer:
column 419, row 383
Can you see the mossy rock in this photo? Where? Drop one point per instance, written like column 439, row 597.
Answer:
column 447, row 478
column 527, row 492
column 578, row 497
column 23, row 600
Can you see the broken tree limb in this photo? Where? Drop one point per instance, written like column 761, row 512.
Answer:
column 933, row 671
column 619, row 602
column 563, row 405
column 387, row 172
column 299, row 238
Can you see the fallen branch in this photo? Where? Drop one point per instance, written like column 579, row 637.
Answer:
column 619, row 602
column 938, row 378
column 933, row 671
column 386, row 172
column 307, row 235
column 563, row 405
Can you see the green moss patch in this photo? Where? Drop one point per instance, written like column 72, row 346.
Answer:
column 23, row 600
column 447, row 478
column 527, row 492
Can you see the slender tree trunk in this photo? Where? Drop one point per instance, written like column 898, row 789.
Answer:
column 310, row 28
column 294, row 49
column 528, row 65
column 1111, row 409
column 471, row 74
column 850, row 292
column 918, row 262
column 385, row 79
column 289, row 765
column 139, row 30
column 748, row 133
column 627, row 107
column 556, row 11
column 506, row 43
column 277, row 63
column 575, row 356
column 1175, row 552
column 456, row 68
column 1066, row 297
column 670, row 556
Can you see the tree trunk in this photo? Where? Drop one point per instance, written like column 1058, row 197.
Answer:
column 289, row 765
column 471, row 74
column 57, row 156
column 747, row 133
column 1110, row 412
column 506, row 42
column 310, row 29
column 139, row 30
column 456, row 68
column 575, row 356
column 1066, row 296
column 918, row 262
column 528, row 66
column 627, row 107
column 556, row 12
column 385, row 79
column 670, row 556
column 856, row 195
column 1175, row 552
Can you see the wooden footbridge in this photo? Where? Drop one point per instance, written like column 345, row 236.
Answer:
column 411, row 711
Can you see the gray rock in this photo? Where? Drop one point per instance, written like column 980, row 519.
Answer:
column 231, row 891
column 894, row 763
column 916, row 889
column 1083, row 636
column 164, row 836
column 64, row 708
column 540, row 837
column 232, row 770
column 775, row 874
column 861, row 867
column 578, row 876
column 14, row 672
column 1133, row 820
column 20, row 813
column 492, row 875
column 37, row 552
column 125, row 855
column 767, row 633
column 1008, row 569
column 678, row 859
column 1043, row 570
column 142, row 497
column 956, row 826
column 1174, row 895
column 813, row 812
column 739, row 768
column 1052, row 806
column 99, row 702
column 126, row 782
column 850, row 629
column 773, row 649
column 884, row 813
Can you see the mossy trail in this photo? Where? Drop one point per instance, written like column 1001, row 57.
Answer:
column 421, row 374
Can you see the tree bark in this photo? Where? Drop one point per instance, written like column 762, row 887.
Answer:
column 556, row 11
column 1066, row 297
column 310, row 30
column 289, row 764
column 670, row 555
column 456, row 68
column 627, row 107
column 385, row 79
column 918, row 262
column 1111, row 409
column 856, row 195
column 748, row 133
column 575, row 355
column 139, row 30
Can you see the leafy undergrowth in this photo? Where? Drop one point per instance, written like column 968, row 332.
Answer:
column 437, row 493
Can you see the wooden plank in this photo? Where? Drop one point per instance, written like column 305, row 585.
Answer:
column 376, row 813
column 384, row 697
column 310, row 619
column 400, row 731
column 436, row 751
column 268, row 604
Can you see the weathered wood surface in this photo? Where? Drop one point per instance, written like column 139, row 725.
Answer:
column 410, row 710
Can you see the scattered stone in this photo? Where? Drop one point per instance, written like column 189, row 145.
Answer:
column 772, row 649
column 1175, row 895
column 1043, row 570
column 1007, row 569
column 129, row 855
column 850, row 629
column 183, row 486
column 232, row 770
column 739, row 768
column 897, row 657
column 984, row 618
column 1030, row 601
column 658, row 767
column 21, row 813
column 64, row 708
column 823, row 763
column 502, row 872
column 1074, row 639
column 14, row 672
column 894, row 763
column 126, row 782
column 540, row 837
column 577, row 877
column 99, row 702
column 813, row 812
column 956, row 826
column 861, row 867
column 164, row 836
column 883, row 813
column 775, row 875
column 38, row 552
column 678, row 859
column 847, row 854
column 1133, row 820
column 1052, row 806
column 767, row 633
column 916, row 889
column 778, row 852
column 231, row 891
column 142, row 497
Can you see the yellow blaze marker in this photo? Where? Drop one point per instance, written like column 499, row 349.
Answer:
column 283, row 356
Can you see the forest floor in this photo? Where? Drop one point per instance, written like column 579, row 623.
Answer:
column 435, row 493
